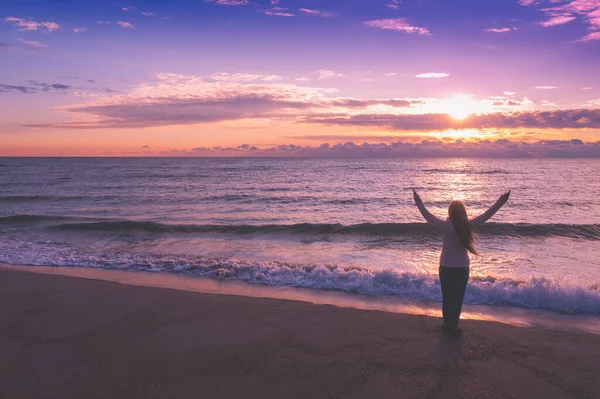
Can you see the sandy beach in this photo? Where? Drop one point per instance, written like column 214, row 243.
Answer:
column 68, row 337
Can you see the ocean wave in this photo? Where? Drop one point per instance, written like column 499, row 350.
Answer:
column 16, row 219
column 24, row 198
column 535, row 293
column 255, row 198
column 577, row 231
column 588, row 232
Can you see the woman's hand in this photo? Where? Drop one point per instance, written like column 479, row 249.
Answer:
column 416, row 196
column 504, row 197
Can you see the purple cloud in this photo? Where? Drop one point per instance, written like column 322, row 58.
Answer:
column 178, row 100
column 32, row 44
column 4, row 88
column 557, row 20
column 278, row 12
column 315, row 12
column 397, row 24
column 555, row 119
column 31, row 25
column 34, row 87
column 590, row 36
column 587, row 10
column 393, row 4
column 125, row 24
column 500, row 30
column 229, row 2
column 435, row 149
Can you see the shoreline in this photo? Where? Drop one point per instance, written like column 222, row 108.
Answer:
column 69, row 337
column 520, row 317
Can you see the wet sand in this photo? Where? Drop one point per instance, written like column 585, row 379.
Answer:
column 68, row 337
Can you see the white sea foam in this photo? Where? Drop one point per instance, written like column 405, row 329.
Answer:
column 535, row 293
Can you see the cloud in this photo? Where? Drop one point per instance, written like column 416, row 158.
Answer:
column 502, row 148
column 132, row 8
column 393, row 4
column 546, row 103
column 4, row 88
column 357, row 103
column 244, row 77
column 500, row 30
column 397, row 24
column 177, row 99
column 50, row 86
column 79, row 30
column 328, row 74
column 587, row 10
column 32, row 43
column 504, row 102
column 587, row 88
column 315, row 12
column 278, row 12
column 373, row 138
column 594, row 103
column 125, row 24
column 590, row 36
column 5, row 46
column 172, row 99
column 509, row 93
column 34, row 87
column 31, row 25
column 432, row 75
column 557, row 20
column 229, row 2
column 556, row 119
column 546, row 87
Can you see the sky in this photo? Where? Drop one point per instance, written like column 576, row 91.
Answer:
column 299, row 77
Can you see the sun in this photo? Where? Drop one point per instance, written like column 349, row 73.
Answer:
column 459, row 107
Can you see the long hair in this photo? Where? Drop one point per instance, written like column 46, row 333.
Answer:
column 460, row 221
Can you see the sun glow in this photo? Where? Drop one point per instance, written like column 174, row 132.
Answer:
column 463, row 134
column 461, row 106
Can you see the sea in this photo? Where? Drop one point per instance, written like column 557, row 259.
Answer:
column 322, row 225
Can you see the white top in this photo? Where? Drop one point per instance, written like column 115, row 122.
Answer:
column 454, row 253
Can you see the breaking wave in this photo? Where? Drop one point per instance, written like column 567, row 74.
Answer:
column 534, row 293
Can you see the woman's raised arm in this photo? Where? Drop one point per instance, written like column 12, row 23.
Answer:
column 484, row 217
column 434, row 220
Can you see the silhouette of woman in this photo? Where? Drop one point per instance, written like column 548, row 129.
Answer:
column 457, row 242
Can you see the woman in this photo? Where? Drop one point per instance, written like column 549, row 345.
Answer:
column 454, row 260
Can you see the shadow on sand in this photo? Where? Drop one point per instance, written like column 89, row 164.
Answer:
column 449, row 355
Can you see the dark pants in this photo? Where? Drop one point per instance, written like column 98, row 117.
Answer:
column 454, row 282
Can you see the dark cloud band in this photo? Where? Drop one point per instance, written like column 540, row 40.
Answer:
column 554, row 119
